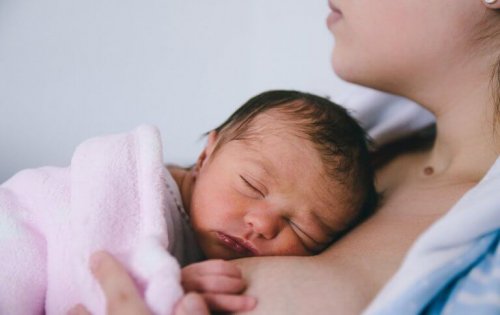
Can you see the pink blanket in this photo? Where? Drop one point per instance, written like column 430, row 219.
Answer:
column 51, row 220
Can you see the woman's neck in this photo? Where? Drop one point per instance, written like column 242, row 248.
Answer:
column 467, row 142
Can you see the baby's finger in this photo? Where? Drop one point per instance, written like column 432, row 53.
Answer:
column 229, row 303
column 78, row 310
column 121, row 294
column 215, row 266
column 214, row 284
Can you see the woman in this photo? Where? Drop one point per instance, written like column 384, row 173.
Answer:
column 441, row 54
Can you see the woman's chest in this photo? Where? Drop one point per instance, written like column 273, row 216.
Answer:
column 377, row 247
column 419, row 201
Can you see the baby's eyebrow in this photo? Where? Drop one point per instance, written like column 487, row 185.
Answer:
column 259, row 160
column 263, row 171
column 265, row 167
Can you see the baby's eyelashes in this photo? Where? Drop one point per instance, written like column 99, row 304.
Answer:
column 313, row 244
column 252, row 187
column 307, row 241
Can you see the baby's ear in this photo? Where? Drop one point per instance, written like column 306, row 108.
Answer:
column 211, row 142
column 208, row 150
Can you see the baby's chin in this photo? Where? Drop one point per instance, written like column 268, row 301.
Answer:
column 216, row 251
column 224, row 255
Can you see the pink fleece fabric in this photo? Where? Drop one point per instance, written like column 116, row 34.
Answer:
column 112, row 198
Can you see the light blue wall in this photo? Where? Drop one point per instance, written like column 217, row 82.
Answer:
column 70, row 70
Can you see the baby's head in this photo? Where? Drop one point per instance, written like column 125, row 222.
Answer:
column 286, row 174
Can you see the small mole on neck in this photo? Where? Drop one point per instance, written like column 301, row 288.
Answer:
column 428, row 170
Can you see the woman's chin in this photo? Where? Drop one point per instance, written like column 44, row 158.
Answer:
column 344, row 70
column 357, row 73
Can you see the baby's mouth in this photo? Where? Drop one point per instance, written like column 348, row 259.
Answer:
column 237, row 244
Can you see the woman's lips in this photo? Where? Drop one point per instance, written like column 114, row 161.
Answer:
column 236, row 244
column 334, row 16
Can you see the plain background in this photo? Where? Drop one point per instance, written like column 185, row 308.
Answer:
column 70, row 70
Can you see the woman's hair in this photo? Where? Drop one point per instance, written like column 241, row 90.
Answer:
column 489, row 33
column 495, row 79
column 341, row 143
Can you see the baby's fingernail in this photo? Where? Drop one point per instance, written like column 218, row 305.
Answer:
column 251, row 302
column 77, row 310
column 193, row 305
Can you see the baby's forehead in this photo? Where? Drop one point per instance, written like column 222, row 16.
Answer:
column 274, row 122
column 276, row 144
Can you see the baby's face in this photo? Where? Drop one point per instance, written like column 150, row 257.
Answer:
column 265, row 196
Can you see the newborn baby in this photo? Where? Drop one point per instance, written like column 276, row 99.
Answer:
column 287, row 174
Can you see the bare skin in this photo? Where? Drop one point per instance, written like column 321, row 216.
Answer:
column 438, row 70
column 441, row 63
column 355, row 268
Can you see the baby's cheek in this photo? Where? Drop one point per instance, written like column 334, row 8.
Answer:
column 291, row 245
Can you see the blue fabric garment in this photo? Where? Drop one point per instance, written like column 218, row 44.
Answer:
column 454, row 267
column 475, row 291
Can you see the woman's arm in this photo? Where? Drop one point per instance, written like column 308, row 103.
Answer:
column 304, row 285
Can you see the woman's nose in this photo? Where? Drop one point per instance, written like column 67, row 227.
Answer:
column 263, row 222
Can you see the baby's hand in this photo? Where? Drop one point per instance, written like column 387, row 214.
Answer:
column 220, row 283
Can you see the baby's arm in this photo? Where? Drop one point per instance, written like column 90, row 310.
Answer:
column 220, row 283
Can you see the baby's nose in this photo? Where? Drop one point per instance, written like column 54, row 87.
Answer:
column 264, row 222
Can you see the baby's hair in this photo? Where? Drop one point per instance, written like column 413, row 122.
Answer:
column 341, row 143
